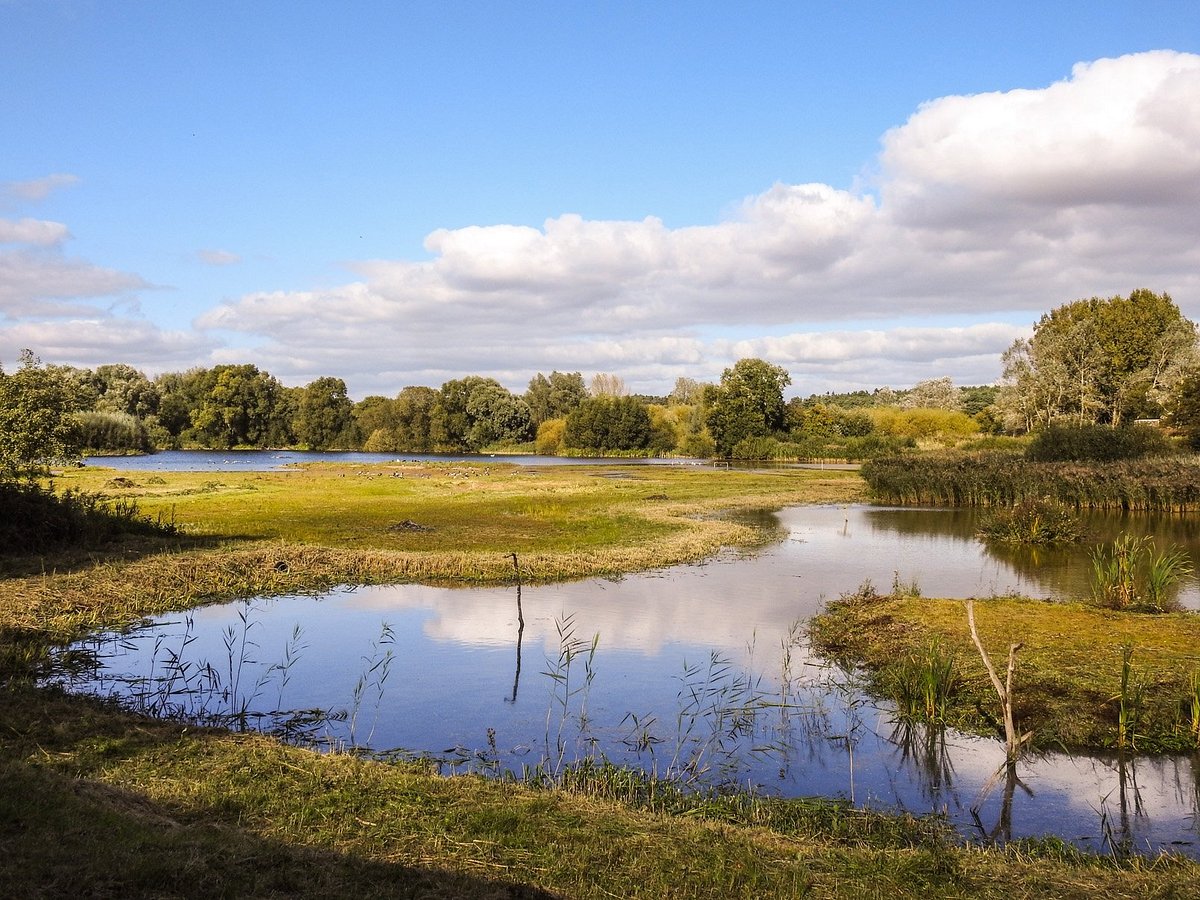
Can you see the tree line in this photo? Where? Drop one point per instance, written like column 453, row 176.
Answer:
column 1097, row 361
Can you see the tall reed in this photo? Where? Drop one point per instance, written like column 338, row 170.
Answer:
column 1130, row 703
column 1130, row 573
column 1190, row 709
column 1003, row 478
column 924, row 683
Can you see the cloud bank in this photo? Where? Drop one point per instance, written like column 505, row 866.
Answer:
column 983, row 212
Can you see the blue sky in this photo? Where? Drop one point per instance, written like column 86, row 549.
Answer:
column 864, row 193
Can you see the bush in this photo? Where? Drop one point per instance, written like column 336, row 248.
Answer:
column 698, row 446
column 1096, row 443
column 113, row 432
column 39, row 520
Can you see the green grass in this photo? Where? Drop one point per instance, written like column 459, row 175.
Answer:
column 99, row 802
column 251, row 534
column 464, row 506
column 1071, row 672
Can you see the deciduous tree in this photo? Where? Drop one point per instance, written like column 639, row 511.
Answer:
column 37, row 427
column 555, row 396
column 1097, row 361
column 325, row 417
column 747, row 403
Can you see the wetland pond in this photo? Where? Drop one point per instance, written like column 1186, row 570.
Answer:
column 697, row 671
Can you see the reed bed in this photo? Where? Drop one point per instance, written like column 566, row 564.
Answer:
column 998, row 478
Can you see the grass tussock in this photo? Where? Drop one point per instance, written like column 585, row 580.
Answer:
column 1082, row 674
column 1132, row 574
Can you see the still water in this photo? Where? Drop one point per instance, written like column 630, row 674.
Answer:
column 266, row 460
column 694, row 670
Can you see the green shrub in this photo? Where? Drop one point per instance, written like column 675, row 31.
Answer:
column 38, row 520
column 756, row 448
column 113, row 432
column 1096, row 443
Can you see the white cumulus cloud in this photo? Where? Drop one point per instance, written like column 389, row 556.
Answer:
column 986, row 211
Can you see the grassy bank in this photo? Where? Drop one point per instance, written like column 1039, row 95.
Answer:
column 257, row 533
column 98, row 802
column 1068, row 686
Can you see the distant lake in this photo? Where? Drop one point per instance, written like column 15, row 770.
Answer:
column 265, row 460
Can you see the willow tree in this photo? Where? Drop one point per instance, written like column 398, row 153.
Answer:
column 1097, row 361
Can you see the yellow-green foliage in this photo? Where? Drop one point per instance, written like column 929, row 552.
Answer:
column 381, row 440
column 550, row 436
column 925, row 425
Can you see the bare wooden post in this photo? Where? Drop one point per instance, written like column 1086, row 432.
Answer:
column 1013, row 742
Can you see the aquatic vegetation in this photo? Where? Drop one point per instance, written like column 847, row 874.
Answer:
column 1130, row 703
column 565, row 692
column 1070, row 675
column 1132, row 574
column 923, row 683
column 1000, row 478
column 1189, row 707
column 1032, row 522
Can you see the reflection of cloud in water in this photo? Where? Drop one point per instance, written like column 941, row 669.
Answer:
column 455, row 673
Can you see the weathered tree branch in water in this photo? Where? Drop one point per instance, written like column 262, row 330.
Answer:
column 1013, row 742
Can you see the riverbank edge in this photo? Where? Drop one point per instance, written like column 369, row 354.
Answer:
column 1068, row 685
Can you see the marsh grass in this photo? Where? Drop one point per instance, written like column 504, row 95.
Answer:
column 37, row 519
column 148, row 808
column 1130, row 702
column 568, row 697
column 1003, row 478
column 1189, row 709
column 923, row 683
column 1071, row 664
column 1036, row 522
column 1132, row 574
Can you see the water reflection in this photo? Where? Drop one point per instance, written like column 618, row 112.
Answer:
column 696, row 671
column 1060, row 572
